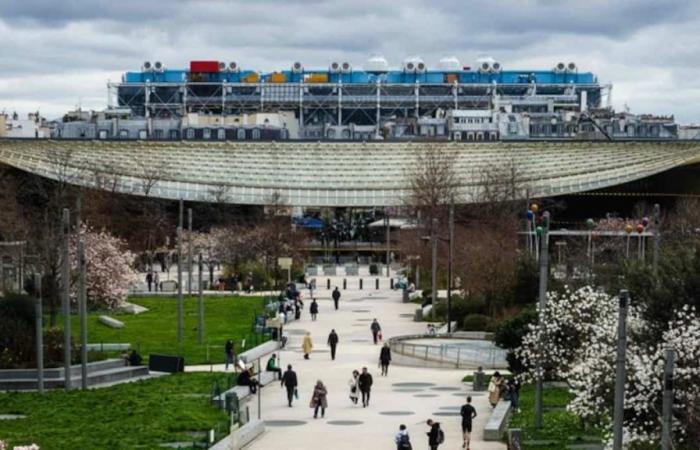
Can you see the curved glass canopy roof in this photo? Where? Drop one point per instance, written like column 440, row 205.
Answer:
column 333, row 174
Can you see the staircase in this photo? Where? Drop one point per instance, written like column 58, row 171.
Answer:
column 101, row 372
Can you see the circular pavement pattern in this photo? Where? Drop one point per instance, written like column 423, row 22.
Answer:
column 363, row 320
column 446, row 413
column 284, row 423
column 450, row 408
column 359, row 340
column 396, row 413
column 446, row 388
column 472, row 394
column 408, row 390
column 413, row 384
column 406, row 315
column 345, row 422
column 358, row 325
column 426, row 395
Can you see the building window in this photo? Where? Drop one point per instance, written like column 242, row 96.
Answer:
column 221, row 134
column 158, row 134
column 190, row 133
column 206, row 133
column 256, row 134
column 174, row 134
column 123, row 134
column 240, row 134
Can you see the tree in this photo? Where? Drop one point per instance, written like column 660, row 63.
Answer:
column 577, row 342
column 108, row 268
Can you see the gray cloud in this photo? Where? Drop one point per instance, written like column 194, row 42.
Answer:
column 56, row 54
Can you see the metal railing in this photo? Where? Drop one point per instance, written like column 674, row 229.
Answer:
column 456, row 355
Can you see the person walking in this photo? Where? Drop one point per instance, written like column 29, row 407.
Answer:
column 319, row 399
column 289, row 381
column 402, row 440
column 435, row 436
column 385, row 358
column 307, row 345
column 376, row 329
column 156, row 282
column 468, row 413
column 272, row 366
column 513, row 386
column 336, row 297
column 333, row 343
column 228, row 351
column 354, row 386
column 313, row 309
column 364, row 382
column 495, row 386
column 149, row 280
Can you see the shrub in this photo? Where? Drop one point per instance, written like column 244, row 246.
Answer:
column 509, row 336
column 373, row 269
column 426, row 293
column 476, row 322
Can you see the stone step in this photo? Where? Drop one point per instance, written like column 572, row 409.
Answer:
column 57, row 372
column 107, row 375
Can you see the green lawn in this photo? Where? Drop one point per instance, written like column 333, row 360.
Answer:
column 560, row 426
column 139, row 415
column 156, row 330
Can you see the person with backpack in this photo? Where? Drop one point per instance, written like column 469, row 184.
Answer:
column 289, row 381
column 402, row 439
column 468, row 413
column 313, row 309
column 333, row 343
column 435, row 436
column 336, row 297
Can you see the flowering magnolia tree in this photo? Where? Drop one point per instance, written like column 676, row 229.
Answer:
column 578, row 344
column 108, row 268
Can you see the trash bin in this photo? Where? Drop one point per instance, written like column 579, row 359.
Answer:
column 232, row 405
column 406, row 299
column 479, row 383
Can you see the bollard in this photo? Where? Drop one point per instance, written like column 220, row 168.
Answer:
column 360, row 283
column 391, row 283
column 328, row 283
column 406, row 297
column 345, row 284
column 377, row 283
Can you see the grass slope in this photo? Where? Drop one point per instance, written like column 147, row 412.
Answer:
column 560, row 426
column 156, row 330
column 139, row 415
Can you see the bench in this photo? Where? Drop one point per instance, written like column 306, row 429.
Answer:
column 259, row 351
column 498, row 422
column 241, row 436
column 111, row 322
column 243, row 392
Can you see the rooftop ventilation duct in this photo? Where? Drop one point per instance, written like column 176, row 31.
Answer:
column 496, row 67
column 450, row 64
column 158, row 66
column 334, row 67
column 413, row 65
column 346, row 67
column 560, row 68
column 571, row 67
column 222, row 67
column 147, row 66
column 297, row 67
column 233, row 67
column 376, row 63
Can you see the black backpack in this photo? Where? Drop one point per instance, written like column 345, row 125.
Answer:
column 441, row 436
column 404, row 443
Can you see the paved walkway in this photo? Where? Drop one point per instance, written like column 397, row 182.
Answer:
column 349, row 426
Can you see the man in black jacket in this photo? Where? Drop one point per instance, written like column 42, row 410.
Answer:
column 365, row 384
column 336, row 297
column 289, row 381
column 333, row 342
column 385, row 359
column 435, row 435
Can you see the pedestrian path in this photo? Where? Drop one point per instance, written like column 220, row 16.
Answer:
column 408, row 395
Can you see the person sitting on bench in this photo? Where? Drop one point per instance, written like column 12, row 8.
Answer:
column 245, row 378
column 272, row 366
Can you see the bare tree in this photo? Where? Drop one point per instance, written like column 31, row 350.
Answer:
column 432, row 180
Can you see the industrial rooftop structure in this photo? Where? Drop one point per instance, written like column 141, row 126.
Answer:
column 334, row 174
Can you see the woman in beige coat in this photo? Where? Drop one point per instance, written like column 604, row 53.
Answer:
column 307, row 345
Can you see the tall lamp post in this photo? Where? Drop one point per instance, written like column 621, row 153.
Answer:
column 621, row 373
column 433, row 242
column 542, row 231
column 449, row 265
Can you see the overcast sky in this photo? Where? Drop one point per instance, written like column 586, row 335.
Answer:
column 58, row 54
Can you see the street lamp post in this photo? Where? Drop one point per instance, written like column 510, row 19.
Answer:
column 433, row 242
column 180, row 301
column 542, row 231
column 65, row 275
column 449, row 265
column 39, row 319
column 657, row 236
column 667, row 406
column 620, row 376
column 189, row 251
